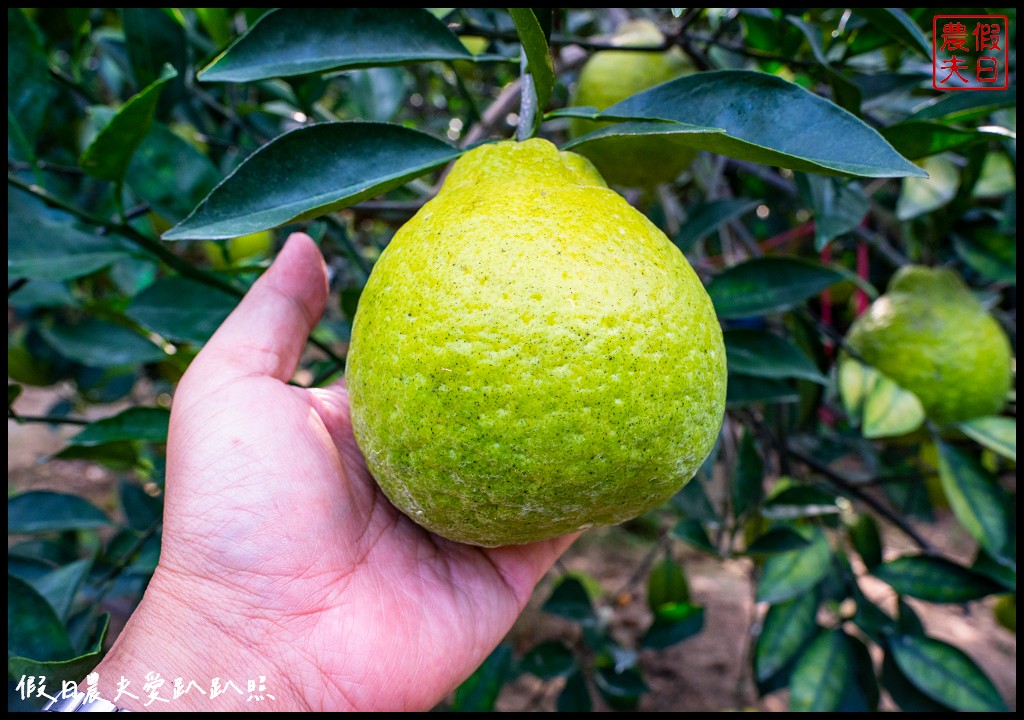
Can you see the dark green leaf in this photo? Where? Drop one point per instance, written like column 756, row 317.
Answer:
column 328, row 166
column 641, row 130
column 694, row 503
column 991, row 252
column 33, row 628
column 903, row 692
column 673, row 623
column 667, row 584
column 788, row 574
column 838, row 205
column 766, row 121
column 788, row 626
column 907, row 621
column 101, row 344
column 871, row 620
column 777, row 540
column 863, row 693
column 170, row 174
column 823, row 674
column 800, row 501
column 845, row 92
column 745, row 390
column 627, row 684
column 378, row 93
column 570, row 600
column 866, row 540
column 691, row 531
column 934, row 579
column 768, row 284
column 181, row 309
column 123, row 455
column 145, row 424
column 43, row 244
column 141, row 510
column 945, row 674
column 538, row 57
column 58, row 672
column 980, row 505
column 13, row 391
column 574, row 696
column 60, row 586
column 748, row 475
column 998, row 434
column 29, row 90
column 963, row 106
column 760, row 353
column 110, row 152
column 705, row 218
column 1002, row 571
column 917, row 139
column 42, row 511
column 298, row 41
column 480, row 690
column 153, row 39
column 895, row 23
column 549, row 660
column 42, row 294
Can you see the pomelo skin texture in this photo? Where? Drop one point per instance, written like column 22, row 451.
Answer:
column 610, row 76
column 930, row 335
column 532, row 356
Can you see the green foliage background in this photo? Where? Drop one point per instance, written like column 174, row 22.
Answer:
column 134, row 133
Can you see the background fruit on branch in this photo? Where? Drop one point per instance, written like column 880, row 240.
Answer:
column 850, row 541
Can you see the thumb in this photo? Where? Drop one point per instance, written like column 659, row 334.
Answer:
column 265, row 334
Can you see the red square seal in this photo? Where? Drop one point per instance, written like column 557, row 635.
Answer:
column 969, row 52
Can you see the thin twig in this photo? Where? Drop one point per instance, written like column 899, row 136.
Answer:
column 849, row 487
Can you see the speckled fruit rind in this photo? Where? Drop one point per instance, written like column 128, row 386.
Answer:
column 932, row 336
column 532, row 356
column 610, row 76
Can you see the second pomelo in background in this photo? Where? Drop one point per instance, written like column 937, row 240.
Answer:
column 610, row 76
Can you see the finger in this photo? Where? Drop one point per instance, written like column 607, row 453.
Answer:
column 265, row 334
column 522, row 566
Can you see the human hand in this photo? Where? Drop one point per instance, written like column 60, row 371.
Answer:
column 281, row 558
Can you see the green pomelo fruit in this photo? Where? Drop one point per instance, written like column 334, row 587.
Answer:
column 532, row 356
column 610, row 76
column 931, row 336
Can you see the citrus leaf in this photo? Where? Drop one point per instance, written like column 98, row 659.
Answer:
column 44, row 244
column 746, row 390
column 328, row 167
column 574, row 696
column 863, row 693
column 866, row 540
column 916, row 139
column 170, row 174
column 765, row 120
column 823, row 674
column 845, row 92
column 692, row 532
column 903, row 692
column 180, row 309
column 44, row 511
column 788, row 626
column 634, row 128
column 895, row 23
column 549, row 660
column 839, row 206
column 29, row 90
column 882, row 407
column 980, row 505
column 673, row 623
column 998, row 434
column 934, row 579
column 298, row 41
column 570, row 600
column 667, row 584
column 748, row 475
column 923, row 195
column 768, row 284
column 777, row 540
column 945, row 674
column 101, row 344
column 120, row 455
column 991, row 252
column 763, row 354
column 57, row 672
column 479, row 691
column 538, row 57
column 110, row 152
column 153, row 38
column 962, row 106
column 144, row 424
column 60, row 586
column 33, row 628
column 706, row 218
column 788, row 574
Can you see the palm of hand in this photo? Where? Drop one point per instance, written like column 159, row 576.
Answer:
column 278, row 535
